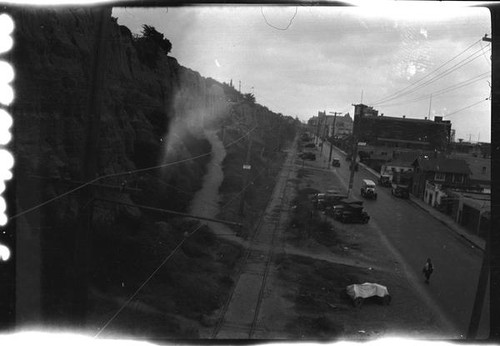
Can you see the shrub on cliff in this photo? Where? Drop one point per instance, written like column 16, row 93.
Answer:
column 148, row 45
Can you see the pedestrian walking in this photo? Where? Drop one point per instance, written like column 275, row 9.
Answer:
column 427, row 270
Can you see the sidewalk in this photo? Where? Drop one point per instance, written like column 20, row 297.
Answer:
column 474, row 240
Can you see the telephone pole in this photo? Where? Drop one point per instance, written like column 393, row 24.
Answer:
column 333, row 136
column 246, row 171
column 318, row 125
column 359, row 111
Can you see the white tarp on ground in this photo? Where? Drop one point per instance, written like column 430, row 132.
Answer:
column 366, row 290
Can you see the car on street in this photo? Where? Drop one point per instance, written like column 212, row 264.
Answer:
column 359, row 292
column 385, row 180
column 305, row 137
column 402, row 191
column 336, row 163
column 368, row 189
column 352, row 213
column 322, row 201
column 308, row 156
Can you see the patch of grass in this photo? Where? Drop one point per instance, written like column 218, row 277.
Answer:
column 191, row 284
column 319, row 284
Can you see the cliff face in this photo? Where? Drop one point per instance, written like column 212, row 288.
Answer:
column 66, row 134
column 143, row 110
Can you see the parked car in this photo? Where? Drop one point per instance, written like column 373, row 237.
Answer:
column 359, row 292
column 385, row 180
column 322, row 201
column 402, row 191
column 336, row 163
column 308, row 156
column 305, row 137
column 352, row 213
column 368, row 189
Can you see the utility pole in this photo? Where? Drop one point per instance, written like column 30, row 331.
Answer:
column 488, row 255
column 246, row 170
column 430, row 104
column 333, row 136
column 318, row 127
column 358, row 115
column 323, row 136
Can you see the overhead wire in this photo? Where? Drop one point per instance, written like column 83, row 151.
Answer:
column 444, row 90
column 383, row 99
column 120, row 174
column 437, row 77
column 169, row 256
column 467, row 107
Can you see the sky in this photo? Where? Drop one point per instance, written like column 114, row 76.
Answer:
column 414, row 59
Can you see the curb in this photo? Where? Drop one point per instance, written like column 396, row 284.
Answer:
column 447, row 224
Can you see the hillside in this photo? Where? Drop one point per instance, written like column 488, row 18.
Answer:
column 102, row 132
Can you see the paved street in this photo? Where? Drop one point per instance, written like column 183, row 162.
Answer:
column 413, row 235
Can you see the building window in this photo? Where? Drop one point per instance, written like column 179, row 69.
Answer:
column 458, row 178
column 439, row 176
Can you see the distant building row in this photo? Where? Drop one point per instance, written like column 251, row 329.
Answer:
column 421, row 153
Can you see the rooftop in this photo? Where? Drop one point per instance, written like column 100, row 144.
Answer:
column 444, row 165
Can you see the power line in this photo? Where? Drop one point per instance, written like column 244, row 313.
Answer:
column 426, row 76
column 121, row 174
column 439, row 76
column 444, row 90
column 462, row 109
column 148, row 279
column 167, row 258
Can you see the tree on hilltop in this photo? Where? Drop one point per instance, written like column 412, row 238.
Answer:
column 149, row 44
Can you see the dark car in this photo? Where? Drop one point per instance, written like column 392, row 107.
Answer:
column 385, row 180
column 353, row 214
column 336, row 163
column 305, row 137
column 308, row 156
column 324, row 201
column 402, row 191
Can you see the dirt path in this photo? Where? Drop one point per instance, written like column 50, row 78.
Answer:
column 206, row 201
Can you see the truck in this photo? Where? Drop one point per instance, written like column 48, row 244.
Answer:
column 368, row 189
